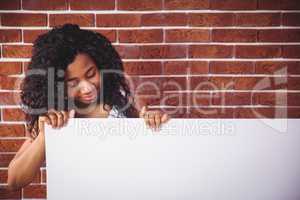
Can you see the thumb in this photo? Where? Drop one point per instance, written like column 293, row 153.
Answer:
column 143, row 111
column 72, row 113
column 41, row 123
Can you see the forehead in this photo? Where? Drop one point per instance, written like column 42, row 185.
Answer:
column 80, row 64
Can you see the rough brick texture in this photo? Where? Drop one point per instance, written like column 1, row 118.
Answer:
column 239, row 60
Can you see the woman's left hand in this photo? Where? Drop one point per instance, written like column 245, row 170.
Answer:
column 153, row 118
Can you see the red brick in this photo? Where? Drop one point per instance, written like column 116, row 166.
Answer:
column 6, row 193
column 10, row 68
column 211, row 19
column 170, row 83
column 222, row 98
column 146, row 99
column 279, row 35
column 12, row 130
column 80, row 19
column 45, row 5
column 293, row 99
column 164, row 19
column 35, row 191
column 187, row 35
column 210, row 51
column 239, row 98
column 13, row 114
column 118, row 20
column 146, row 85
column 233, row 4
column 198, row 67
column 269, row 4
column 3, row 176
column 211, row 83
column 185, row 67
column 10, row 98
column 290, row 5
column 222, row 67
column 10, row 145
column 261, row 51
column 10, row 5
column 175, row 112
column 29, row 36
column 186, row 5
column 10, row 83
column 260, row 83
column 269, row 98
column 139, row 5
column 163, row 51
column 290, row 19
column 111, row 35
column 23, row 19
column 175, row 67
column 44, row 175
column 92, row 5
column 141, row 36
column 293, row 112
column 199, row 98
column 128, row 51
column 258, row 19
column 10, row 35
column 274, row 67
column 143, row 68
column 155, row 85
column 5, row 160
column 16, row 51
column 174, row 98
column 234, row 35
column 279, row 4
column 291, row 51
column 254, row 112
column 210, row 112
column 293, row 83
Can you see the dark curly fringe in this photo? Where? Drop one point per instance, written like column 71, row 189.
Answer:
column 55, row 50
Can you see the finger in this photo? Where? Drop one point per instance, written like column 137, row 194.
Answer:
column 60, row 119
column 143, row 111
column 157, row 119
column 152, row 121
column 53, row 119
column 65, row 117
column 165, row 118
column 41, row 122
column 146, row 119
column 72, row 113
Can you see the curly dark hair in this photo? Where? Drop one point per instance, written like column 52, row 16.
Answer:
column 55, row 50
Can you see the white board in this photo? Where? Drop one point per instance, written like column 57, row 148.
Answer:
column 189, row 159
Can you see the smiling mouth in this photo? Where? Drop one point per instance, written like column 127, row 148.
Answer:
column 89, row 97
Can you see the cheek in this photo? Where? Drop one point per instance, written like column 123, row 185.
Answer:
column 96, row 81
column 72, row 93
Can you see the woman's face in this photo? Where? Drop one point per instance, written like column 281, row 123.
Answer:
column 83, row 79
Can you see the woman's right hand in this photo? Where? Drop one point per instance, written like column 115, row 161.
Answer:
column 54, row 118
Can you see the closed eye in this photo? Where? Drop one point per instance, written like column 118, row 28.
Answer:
column 91, row 72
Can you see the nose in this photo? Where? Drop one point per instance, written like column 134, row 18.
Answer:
column 86, row 88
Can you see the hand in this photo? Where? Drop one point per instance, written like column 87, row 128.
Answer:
column 56, row 119
column 153, row 118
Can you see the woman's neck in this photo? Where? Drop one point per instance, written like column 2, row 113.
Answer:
column 97, row 112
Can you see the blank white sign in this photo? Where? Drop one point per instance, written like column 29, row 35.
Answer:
column 189, row 159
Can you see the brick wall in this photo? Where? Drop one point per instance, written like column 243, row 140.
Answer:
column 209, row 58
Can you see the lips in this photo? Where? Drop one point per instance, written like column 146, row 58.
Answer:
column 89, row 97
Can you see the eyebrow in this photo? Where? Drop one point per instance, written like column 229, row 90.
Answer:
column 71, row 79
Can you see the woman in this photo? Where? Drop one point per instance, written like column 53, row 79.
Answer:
column 72, row 73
